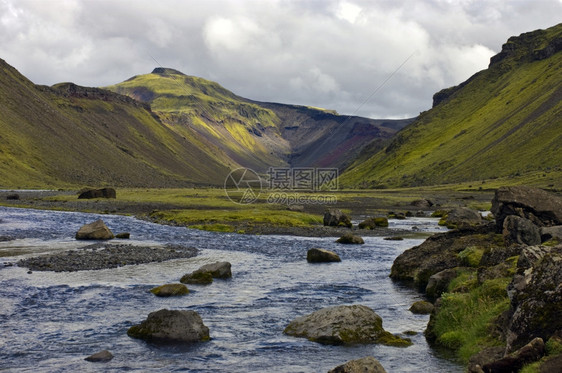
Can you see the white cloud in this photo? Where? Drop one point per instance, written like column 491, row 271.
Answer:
column 332, row 54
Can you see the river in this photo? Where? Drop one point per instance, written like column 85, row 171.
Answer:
column 52, row 321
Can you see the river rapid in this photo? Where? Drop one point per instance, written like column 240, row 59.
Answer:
column 52, row 321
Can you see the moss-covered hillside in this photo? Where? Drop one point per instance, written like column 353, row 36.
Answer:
column 250, row 133
column 67, row 135
column 505, row 122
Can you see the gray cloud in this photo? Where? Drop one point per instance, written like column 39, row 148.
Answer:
column 332, row 54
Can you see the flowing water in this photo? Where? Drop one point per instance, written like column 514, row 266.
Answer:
column 51, row 321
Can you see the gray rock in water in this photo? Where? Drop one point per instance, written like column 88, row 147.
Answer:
column 336, row 218
column 537, row 205
column 94, row 231
column 322, row 256
column 206, row 273
column 517, row 230
column 100, row 357
column 123, row 235
column 174, row 326
column 343, row 325
column 170, row 290
column 349, row 238
column 421, row 307
column 364, row 365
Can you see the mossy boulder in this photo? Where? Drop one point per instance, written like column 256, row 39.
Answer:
column 372, row 223
column 170, row 290
column 351, row 239
column 364, row 365
column 171, row 326
column 440, row 252
column 421, row 307
column 94, row 231
column 197, row 278
column 322, row 256
column 356, row 324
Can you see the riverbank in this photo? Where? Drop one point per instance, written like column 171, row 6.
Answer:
column 212, row 210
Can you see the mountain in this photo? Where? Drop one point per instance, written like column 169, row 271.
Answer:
column 68, row 135
column 258, row 135
column 166, row 129
column 503, row 122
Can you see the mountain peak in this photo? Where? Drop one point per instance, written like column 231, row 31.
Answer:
column 166, row 71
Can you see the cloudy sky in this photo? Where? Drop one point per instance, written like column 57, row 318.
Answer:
column 375, row 58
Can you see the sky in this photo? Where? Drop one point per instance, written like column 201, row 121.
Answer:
column 373, row 58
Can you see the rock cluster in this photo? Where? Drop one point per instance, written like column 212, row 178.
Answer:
column 97, row 193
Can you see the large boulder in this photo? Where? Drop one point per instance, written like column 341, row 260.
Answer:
column 517, row 230
column 322, row 256
column 94, row 231
column 351, row 239
column 461, row 217
column 440, row 252
column 336, row 218
column 343, row 325
column 206, row 273
column 364, row 365
column 537, row 205
column 97, row 193
column 174, row 326
column 536, row 296
column 372, row 223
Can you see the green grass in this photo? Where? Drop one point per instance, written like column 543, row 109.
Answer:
column 503, row 124
column 464, row 319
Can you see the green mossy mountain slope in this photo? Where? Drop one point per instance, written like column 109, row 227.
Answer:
column 504, row 122
column 254, row 134
column 67, row 135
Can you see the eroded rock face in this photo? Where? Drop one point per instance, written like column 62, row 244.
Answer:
column 520, row 231
column 174, row 326
column 439, row 282
column 540, row 207
column 536, row 296
column 322, row 256
column 94, row 231
column 364, row 365
column 336, row 218
column 527, row 354
column 338, row 325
